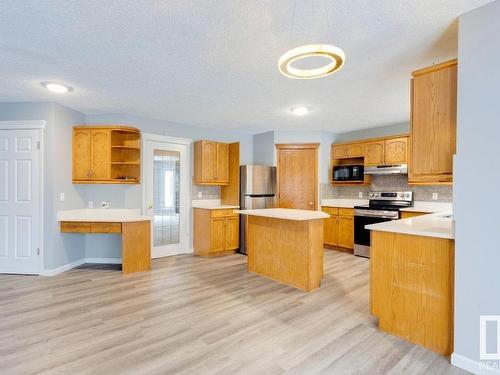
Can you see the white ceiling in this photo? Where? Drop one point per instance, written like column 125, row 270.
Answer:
column 214, row 63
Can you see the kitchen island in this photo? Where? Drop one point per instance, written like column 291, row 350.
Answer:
column 412, row 279
column 286, row 245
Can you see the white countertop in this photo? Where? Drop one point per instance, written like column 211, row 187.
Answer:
column 286, row 213
column 430, row 207
column 102, row 215
column 439, row 225
column 343, row 203
column 211, row 204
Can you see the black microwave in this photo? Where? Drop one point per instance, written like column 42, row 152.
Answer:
column 348, row 173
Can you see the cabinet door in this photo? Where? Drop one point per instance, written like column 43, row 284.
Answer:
column 331, row 231
column 101, row 155
column 396, row 150
column 433, row 127
column 374, row 153
column 81, row 154
column 218, row 235
column 356, row 150
column 209, row 161
column 222, row 163
column 346, row 232
column 339, row 151
column 232, row 233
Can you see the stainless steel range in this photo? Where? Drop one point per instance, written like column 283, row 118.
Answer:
column 383, row 206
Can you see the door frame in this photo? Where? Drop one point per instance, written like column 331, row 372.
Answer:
column 298, row 146
column 186, row 182
column 40, row 126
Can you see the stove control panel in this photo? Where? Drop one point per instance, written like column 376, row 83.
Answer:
column 406, row 196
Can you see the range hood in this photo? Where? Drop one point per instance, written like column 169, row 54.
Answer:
column 388, row 169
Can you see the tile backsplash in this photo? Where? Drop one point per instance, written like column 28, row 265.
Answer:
column 207, row 192
column 395, row 182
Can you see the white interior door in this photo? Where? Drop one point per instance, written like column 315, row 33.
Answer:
column 20, row 210
column 166, row 196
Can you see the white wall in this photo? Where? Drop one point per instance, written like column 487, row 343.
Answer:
column 263, row 148
column 383, row 131
column 476, row 180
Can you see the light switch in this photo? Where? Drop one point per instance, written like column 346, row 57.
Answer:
column 200, row 195
column 435, row 196
column 61, row 197
column 91, row 204
column 360, row 194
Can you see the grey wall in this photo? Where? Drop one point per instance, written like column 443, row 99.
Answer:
column 477, row 249
column 263, row 148
column 374, row 132
column 58, row 249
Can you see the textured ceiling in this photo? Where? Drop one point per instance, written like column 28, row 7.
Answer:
column 214, row 63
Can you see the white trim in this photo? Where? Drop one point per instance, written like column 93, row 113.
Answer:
column 471, row 365
column 17, row 125
column 61, row 269
column 103, row 260
column 165, row 138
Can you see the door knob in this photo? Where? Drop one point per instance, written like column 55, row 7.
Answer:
column 150, row 206
column 310, row 203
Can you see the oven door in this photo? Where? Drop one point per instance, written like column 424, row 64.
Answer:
column 362, row 235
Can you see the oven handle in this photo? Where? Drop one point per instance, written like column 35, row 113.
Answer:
column 367, row 214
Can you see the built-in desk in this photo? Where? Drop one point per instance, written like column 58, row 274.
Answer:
column 134, row 228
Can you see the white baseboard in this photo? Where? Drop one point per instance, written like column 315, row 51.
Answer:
column 471, row 365
column 79, row 262
column 104, row 260
column 61, row 269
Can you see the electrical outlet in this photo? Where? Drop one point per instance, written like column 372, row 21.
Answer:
column 61, row 197
column 104, row 204
column 435, row 196
column 360, row 194
column 200, row 195
column 90, row 204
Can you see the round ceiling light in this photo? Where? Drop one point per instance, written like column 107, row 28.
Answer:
column 299, row 111
column 334, row 54
column 56, row 87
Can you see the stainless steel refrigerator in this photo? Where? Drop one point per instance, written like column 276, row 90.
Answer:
column 257, row 190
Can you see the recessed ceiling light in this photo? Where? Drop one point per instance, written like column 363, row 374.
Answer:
column 56, row 87
column 299, row 111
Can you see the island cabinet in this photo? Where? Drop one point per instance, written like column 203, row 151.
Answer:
column 216, row 232
column 211, row 163
column 106, row 155
column 412, row 288
column 433, row 124
column 339, row 228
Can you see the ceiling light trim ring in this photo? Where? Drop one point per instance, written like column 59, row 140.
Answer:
column 335, row 54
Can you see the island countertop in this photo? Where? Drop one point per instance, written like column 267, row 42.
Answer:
column 438, row 225
column 286, row 214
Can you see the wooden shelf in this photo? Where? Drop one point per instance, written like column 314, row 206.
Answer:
column 110, row 181
column 127, row 147
column 125, row 163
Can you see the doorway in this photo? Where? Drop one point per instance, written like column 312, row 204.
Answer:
column 297, row 176
column 166, row 193
column 21, row 226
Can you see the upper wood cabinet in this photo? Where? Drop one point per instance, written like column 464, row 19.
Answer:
column 211, row 163
column 396, row 150
column 353, row 150
column 106, row 155
column 374, row 153
column 433, row 124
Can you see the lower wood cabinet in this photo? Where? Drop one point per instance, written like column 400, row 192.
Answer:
column 339, row 227
column 216, row 232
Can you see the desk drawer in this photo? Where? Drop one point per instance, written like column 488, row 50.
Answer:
column 74, row 227
column 106, row 227
column 224, row 213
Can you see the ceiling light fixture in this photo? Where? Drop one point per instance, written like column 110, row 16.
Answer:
column 299, row 111
column 56, row 87
column 335, row 54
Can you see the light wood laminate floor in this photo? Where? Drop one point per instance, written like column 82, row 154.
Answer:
column 193, row 315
